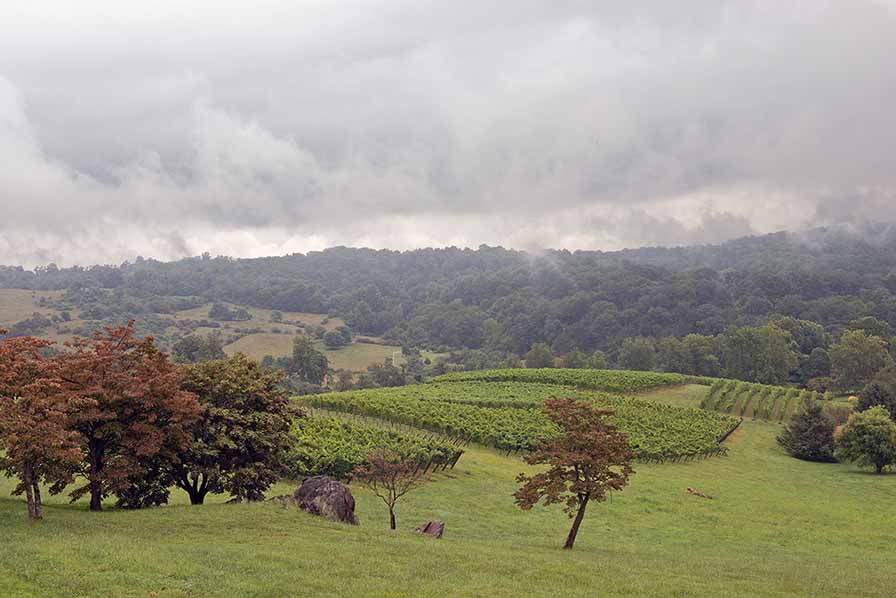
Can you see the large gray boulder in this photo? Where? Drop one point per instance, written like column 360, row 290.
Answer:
column 324, row 496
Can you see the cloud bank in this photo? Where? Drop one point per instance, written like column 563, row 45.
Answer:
column 272, row 127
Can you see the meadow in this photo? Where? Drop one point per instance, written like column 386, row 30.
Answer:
column 775, row 527
column 267, row 337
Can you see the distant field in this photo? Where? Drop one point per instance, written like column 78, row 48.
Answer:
column 356, row 357
column 262, row 317
column 257, row 346
column 18, row 304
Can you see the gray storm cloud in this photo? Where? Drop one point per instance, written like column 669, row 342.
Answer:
column 266, row 128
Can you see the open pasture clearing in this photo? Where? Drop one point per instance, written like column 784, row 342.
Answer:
column 18, row 304
column 262, row 317
column 776, row 527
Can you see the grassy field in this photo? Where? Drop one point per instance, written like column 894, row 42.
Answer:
column 18, row 304
column 777, row 527
column 355, row 357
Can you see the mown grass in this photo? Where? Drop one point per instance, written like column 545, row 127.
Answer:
column 777, row 527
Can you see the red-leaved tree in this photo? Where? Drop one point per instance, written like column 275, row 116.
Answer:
column 35, row 445
column 586, row 461
column 389, row 477
column 127, row 408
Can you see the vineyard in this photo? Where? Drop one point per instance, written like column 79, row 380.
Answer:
column 616, row 381
column 508, row 416
column 760, row 401
column 329, row 446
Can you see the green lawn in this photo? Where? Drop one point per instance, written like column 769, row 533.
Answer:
column 777, row 527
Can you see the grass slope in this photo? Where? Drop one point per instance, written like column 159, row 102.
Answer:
column 18, row 304
column 778, row 527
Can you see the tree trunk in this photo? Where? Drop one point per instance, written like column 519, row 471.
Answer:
column 28, row 482
column 391, row 518
column 96, row 489
column 878, row 468
column 571, row 538
column 196, row 485
column 38, row 503
column 197, row 497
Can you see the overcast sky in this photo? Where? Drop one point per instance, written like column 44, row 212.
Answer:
column 166, row 129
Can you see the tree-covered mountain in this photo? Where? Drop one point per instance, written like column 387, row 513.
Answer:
column 508, row 300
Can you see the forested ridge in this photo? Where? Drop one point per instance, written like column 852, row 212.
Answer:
column 504, row 300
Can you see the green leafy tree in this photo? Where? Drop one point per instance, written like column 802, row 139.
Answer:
column 194, row 348
column 815, row 365
column 810, row 434
column 871, row 326
column 242, row 436
column 588, row 460
column 539, row 356
column 674, row 356
column 599, row 360
column 868, row 438
column 576, row 359
column 637, row 354
column 219, row 311
column 880, row 391
column 337, row 338
column 704, row 354
column 857, row 358
column 386, row 374
column 762, row 354
column 307, row 363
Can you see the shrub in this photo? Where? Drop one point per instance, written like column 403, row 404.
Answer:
column 810, row 434
column 880, row 391
column 869, row 438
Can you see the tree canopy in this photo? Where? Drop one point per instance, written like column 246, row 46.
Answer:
column 588, row 459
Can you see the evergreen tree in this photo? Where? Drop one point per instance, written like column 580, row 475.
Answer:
column 810, row 434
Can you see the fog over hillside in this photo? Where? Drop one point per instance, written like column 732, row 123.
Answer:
column 270, row 127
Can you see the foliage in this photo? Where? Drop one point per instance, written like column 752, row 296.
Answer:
column 194, row 348
column 539, row 356
column 330, row 446
column 857, row 358
column 126, row 406
column 810, row 434
column 340, row 337
column 505, row 301
column 35, row 446
column 242, row 436
column 507, row 415
column 307, row 363
column 637, row 354
column 219, row 311
column 389, row 477
column 868, row 438
column 880, row 391
column 606, row 380
column 588, row 459
column 385, row 374
column 760, row 354
column 35, row 325
column 760, row 401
